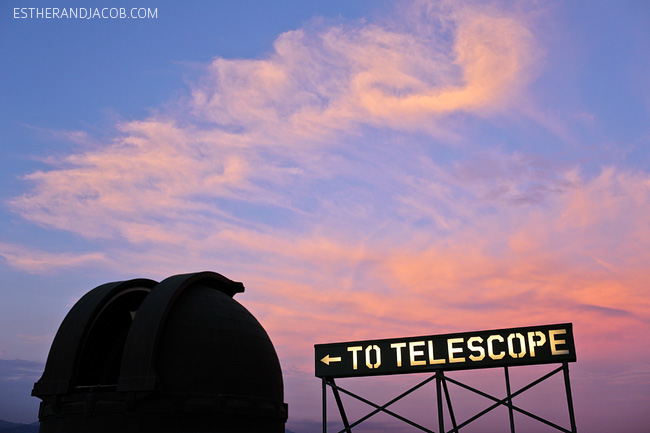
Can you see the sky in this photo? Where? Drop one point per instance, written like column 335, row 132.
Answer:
column 368, row 170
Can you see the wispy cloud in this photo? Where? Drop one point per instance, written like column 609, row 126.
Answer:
column 312, row 176
column 266, row 164
column 37, row 261
column 404, row 76
column 253, row 129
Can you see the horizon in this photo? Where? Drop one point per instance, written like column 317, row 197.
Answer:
column 369, row 170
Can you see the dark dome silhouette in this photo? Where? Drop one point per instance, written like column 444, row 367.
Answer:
column 178, row 356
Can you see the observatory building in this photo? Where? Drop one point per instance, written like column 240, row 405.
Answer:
column 176, row 356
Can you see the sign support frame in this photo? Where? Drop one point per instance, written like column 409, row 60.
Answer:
column 441, row 387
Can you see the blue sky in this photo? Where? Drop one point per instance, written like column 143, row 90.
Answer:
column 368, row 169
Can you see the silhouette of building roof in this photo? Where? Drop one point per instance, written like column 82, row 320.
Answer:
column 179, row 355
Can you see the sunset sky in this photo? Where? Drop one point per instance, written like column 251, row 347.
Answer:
column 368, row 169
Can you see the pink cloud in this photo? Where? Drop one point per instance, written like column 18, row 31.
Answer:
column 271, row 125
column 265, row 177
column 493, row 55
column 322, row 80
column 37, row 261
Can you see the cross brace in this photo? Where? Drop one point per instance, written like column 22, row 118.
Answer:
column 441, row 387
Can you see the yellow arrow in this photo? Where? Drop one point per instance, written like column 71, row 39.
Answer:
column 327, row 359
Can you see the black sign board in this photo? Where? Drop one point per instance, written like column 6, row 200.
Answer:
column 461, row 351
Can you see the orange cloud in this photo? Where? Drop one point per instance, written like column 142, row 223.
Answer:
column 253, row 131
column 304, row 174
column 494, row 55
column 321, row 81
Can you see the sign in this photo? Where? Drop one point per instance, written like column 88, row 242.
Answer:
column 461, row 351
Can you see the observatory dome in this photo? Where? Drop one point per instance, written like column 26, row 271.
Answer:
column 177, row 356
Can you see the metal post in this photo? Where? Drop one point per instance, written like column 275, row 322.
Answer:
column 569, row 399
column 510, row 412
column 324, row 397
column 441, row 419
column 449, row 406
